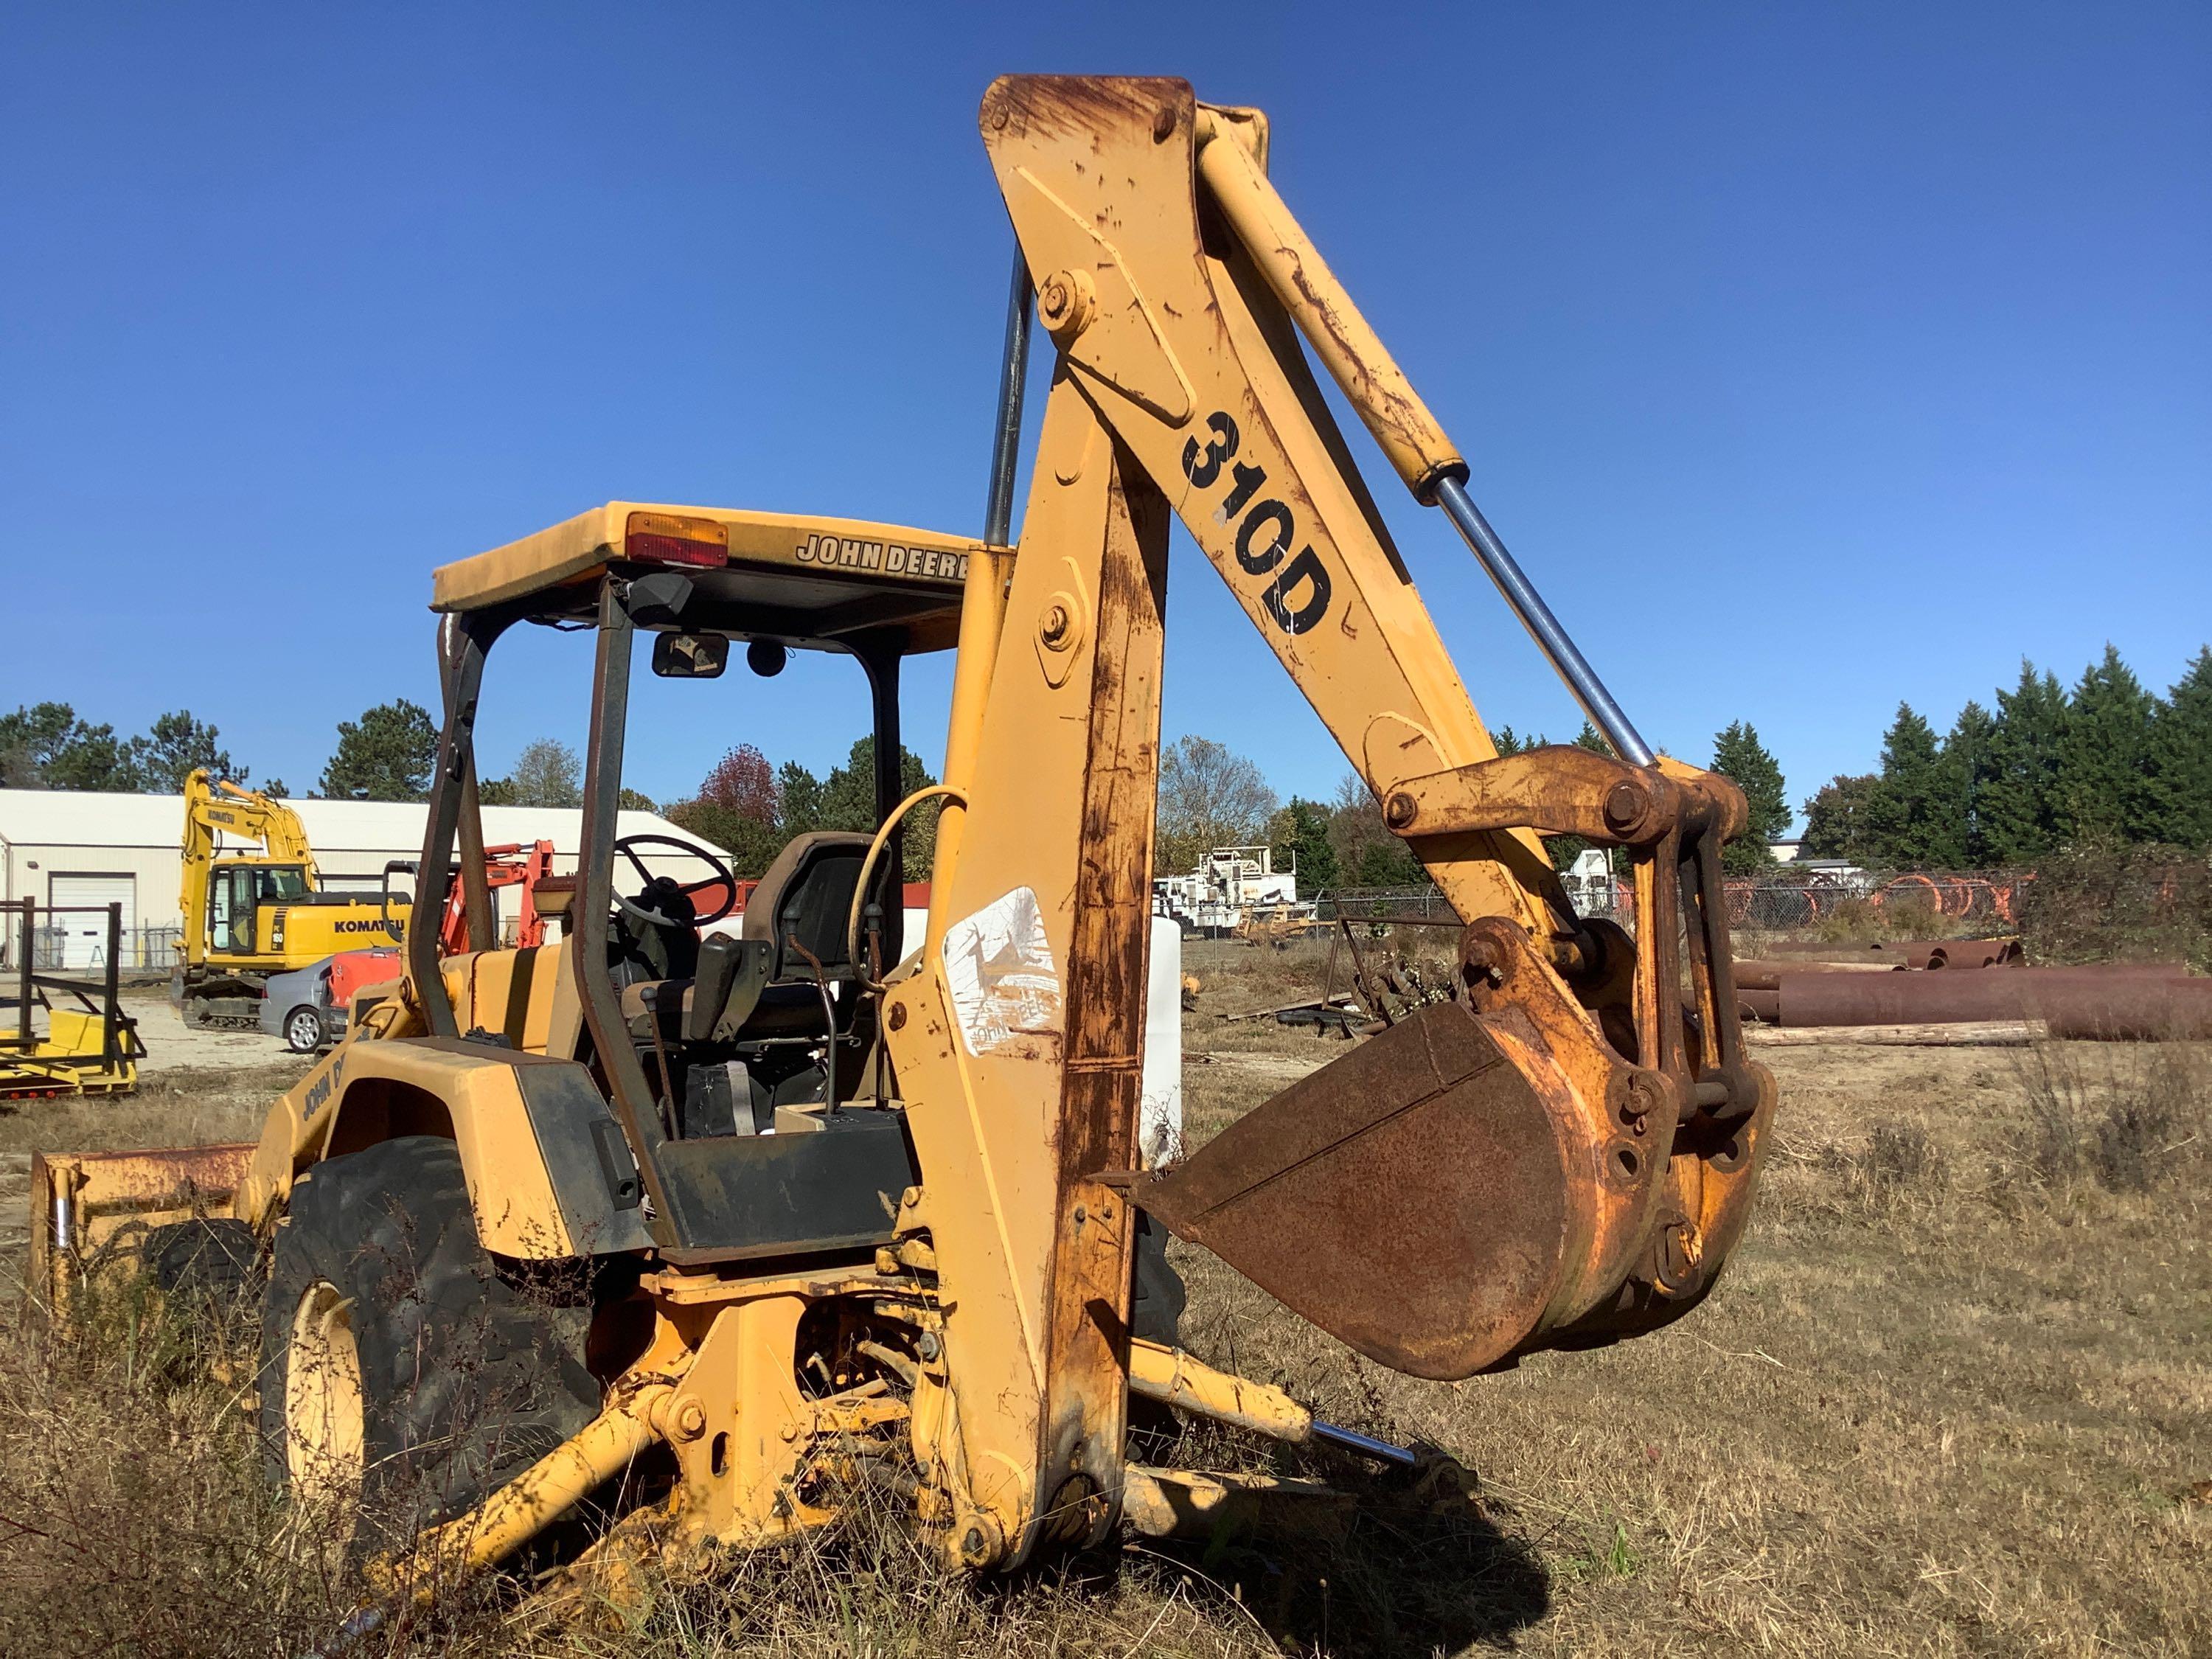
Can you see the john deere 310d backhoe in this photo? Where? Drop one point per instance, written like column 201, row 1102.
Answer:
column 756, row 1222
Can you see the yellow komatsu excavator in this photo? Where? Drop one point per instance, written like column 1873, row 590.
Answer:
column 248, row 916
column 725, row 1231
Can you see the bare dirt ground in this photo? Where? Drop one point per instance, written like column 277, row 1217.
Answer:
column 1954, row 1396
column 171, row 1046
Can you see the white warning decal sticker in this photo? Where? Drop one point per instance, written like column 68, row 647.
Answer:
column 998, row 965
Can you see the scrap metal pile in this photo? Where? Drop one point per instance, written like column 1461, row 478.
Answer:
column 1978, row 981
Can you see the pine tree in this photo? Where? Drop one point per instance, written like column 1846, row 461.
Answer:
column 2181, row 757
column 847, row 801
column 1835, row 818
column 1967, row 770
column 2104, row 792
column 1913, row 821
column 45, row 746
column 1738, row 755
column 1367, row 854
column 1299, row 835
column 386, row 755
column 176, row 747
column 2016, row 812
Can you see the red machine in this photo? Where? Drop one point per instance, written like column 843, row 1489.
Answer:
column 512, row 866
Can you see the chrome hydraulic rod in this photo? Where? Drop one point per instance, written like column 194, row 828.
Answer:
column 1543, row 627
column 1366, row 1444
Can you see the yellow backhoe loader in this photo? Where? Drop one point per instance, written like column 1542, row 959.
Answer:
column 248, row 916
column 725, row 1231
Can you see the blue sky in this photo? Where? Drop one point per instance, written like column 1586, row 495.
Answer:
column 1809, row 357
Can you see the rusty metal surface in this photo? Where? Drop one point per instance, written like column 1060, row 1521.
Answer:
column 2074, row 1000
column 88, row 1209
column 1409, row 1199
column 1959, row 952
column 2130, row 1008
column 1760, row 1002
column 1756, row 973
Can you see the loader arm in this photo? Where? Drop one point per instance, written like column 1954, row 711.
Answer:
column 1561, row 1155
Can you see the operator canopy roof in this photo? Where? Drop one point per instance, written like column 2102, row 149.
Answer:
column 799, row 579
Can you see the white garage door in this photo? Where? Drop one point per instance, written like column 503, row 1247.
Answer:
column 86, row 936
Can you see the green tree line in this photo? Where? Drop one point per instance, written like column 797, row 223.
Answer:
column 750, row 808
column 47, row 746
column 1343, row 842
column 2106, row 762
column 385, row 755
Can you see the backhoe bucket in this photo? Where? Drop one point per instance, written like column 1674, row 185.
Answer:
column 90, row 1211
column 1411, row 1199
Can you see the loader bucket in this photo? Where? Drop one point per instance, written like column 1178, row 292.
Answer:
column 1411, row 1199
column 91, row 1211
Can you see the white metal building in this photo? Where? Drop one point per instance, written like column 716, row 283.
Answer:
column 63, row 847
column 77, row 847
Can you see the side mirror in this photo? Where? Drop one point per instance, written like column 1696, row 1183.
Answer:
column 689, row 656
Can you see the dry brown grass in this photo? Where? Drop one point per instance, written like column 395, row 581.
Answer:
column 170, row 1108
column 1952, row 1398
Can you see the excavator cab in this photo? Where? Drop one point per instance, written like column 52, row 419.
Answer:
column 237, row 892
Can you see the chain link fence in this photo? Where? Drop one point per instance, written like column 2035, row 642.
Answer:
column 147, row 950
column 1773, row 902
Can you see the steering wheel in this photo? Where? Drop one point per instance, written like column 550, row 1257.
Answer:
column 627, row 846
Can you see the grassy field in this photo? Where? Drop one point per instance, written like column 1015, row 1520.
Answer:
column 1952, row 1397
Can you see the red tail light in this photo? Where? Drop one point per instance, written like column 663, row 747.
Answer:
column 671, row 539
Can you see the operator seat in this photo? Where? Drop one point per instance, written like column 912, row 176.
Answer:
column 761, row 984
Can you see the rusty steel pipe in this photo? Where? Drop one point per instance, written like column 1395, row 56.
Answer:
column 2160, row 1010
column 1973, row 953
column 2079, row 1002
column 1758, row 973
column 1921, row 953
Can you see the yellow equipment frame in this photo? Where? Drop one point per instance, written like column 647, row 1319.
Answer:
column 992, row 1312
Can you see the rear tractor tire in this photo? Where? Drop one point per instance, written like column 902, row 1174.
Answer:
column 405, row 1378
